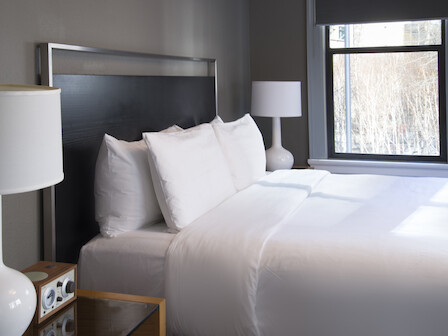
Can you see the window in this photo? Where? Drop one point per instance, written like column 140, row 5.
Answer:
column 386, row 91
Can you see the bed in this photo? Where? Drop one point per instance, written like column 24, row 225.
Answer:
column 299, row 252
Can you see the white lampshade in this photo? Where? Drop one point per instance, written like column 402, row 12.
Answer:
column 30, row 159
column 30, row 138
column 276, row 99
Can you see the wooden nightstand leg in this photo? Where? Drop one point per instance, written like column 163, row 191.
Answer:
column 162, row 318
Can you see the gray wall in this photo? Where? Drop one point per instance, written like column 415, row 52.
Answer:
column 278, row 52
column 206, row 28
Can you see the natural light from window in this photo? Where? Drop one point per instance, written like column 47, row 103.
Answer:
column 386, row 102
column 386, row 34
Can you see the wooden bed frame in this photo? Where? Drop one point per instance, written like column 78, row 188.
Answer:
column 123, row 106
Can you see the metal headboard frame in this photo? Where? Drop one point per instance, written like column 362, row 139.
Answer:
column 44, row 71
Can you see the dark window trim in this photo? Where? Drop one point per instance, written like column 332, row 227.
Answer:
column 440, row 49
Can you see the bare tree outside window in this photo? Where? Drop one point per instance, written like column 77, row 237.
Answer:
column 393, row 95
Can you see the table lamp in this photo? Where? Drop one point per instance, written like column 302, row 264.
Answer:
column 30, row 159
column 277, row 99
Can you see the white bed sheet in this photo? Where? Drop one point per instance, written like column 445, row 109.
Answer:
column 299, row 252
column 132, row 263
column 310, row 253
column 369, row 256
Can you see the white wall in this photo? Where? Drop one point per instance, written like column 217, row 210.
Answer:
column 203, row 28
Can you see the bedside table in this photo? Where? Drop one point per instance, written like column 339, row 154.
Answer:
column 110, row 314
column 302, row 167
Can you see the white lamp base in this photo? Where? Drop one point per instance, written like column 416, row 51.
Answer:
column 278, row 158
column 17, row 297
column 17, row 301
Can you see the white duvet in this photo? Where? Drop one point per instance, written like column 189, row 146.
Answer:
column 304, row 252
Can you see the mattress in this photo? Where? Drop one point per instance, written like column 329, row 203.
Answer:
column 131, row 263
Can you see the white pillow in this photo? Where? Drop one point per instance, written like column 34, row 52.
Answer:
column 243, row 147
column 190, row 173
column 124, row 195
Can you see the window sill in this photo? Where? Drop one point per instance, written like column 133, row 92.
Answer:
column 381, row 167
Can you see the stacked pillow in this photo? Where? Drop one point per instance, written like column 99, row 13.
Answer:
column 181, row 174
column 242, row 144
column 124, row 195
column 190, row 172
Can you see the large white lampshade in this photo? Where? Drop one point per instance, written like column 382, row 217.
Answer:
column 277, row 99
column 30, row 159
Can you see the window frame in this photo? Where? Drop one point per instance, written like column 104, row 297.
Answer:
column 330, row 52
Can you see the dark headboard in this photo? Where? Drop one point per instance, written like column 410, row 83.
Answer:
column 122, row 106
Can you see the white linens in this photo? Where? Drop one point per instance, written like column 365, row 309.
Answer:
column 131, row 263
column 365, row 255
column 309, row 253
column 189, row 172
column 212, row 264
column 124, row 194
column 242, row 144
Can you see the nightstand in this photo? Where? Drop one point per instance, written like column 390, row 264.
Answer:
column 302, row 167
column 106, row 314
